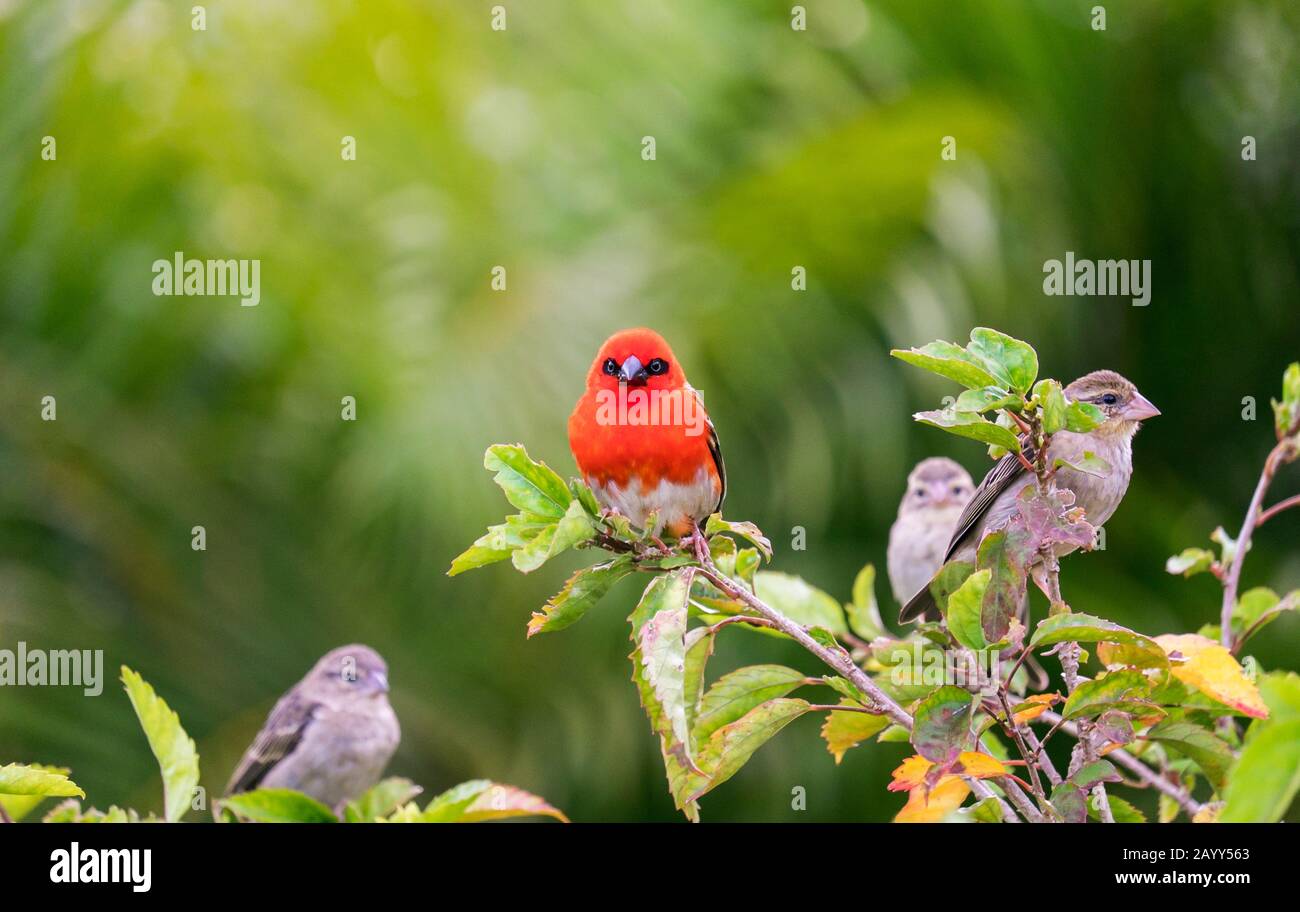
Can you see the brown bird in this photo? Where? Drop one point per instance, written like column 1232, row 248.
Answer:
column 994, row 503
column 937, row 491
column 330, row 736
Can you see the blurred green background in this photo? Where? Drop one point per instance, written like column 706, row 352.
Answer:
column 522, row 148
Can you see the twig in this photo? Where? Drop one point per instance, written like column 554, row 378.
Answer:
column 1136, row 766
column 1285, row 451
column 1293, row 501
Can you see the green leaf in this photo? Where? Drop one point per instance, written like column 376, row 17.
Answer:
column 1125, row 691
column 1084, row 628
column 1258, row 608
column 1006, row 553
column 479, row 800
column 948, row 360
column 987, row 399
column 986, row 811
column 800, row 601
column 971, row 425
column 23, row 786
column 1090, row 774
column 844, row 729
column 948, row 580
column 178, row 759
column 1202, row 747
column 580, row 594
column 532, row 487
column 574, row 528
column 1267, row 775
column 746, row 530
column 381, row 800
column 1082, row 417
column 737, row 692
column 1052, row 404
column 1287, row 411
column 1013, row 362
column 1089, row 464
column 278, row 805
column 965, row 608
column 941, row 724
column 502, row 540
column 864, row 612
column 1190, row 562
column 659, row 672
column 730, row 747
column 1069, row 801
column 1121, row 810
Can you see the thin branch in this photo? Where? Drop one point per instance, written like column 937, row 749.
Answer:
column 1285, row 451
column 1137, row 767
column 1293, row 501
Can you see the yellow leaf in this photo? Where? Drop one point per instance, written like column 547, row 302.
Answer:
column 932, row 805
column 980, row 766
column 1212, row 670
column 1209, row 813
column 1041, row 703
column 843, row 730
column 910, row 773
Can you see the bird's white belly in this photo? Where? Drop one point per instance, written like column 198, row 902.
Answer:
column 676, row 503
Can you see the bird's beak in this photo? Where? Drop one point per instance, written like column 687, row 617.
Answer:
column 381, row 681
column 632, row 371
column 1140, row 409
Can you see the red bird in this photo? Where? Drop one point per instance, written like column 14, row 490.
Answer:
column 642, row 439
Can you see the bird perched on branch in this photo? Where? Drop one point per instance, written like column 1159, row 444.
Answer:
column 330, row 736
column 937, row 491
column 642, row 439
column 1123, row 409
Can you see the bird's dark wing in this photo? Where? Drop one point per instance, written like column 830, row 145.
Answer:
column 715, row 450
column 1004, row 473
column 282, row 732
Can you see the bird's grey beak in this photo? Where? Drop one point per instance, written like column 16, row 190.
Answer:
column 632, row 371
column 1140, row 409
column 381, row 681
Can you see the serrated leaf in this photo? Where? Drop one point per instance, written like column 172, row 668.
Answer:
column 1202, row 747
column 737, row 692
column 1083, row 628
column 574, row 528
column 531, row 487
column 278, row 805
column 480, row 800
column 380, row 800
column 971, row 425
column 178, row 758
column 580, row 594
column 1210, row 668
column 730, row 747
column 931, row 805
column 844, row 729
column 21, row 782
column 986, row 399
column 1124, row 691
column 948, row 360
column 746, row 530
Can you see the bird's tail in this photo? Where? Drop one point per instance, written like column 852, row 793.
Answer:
column 921, row 605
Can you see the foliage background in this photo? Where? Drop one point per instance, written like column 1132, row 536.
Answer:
column 522, row 148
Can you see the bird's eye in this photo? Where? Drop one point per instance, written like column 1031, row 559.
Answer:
column 920, row 492
column 610, row 366
column 657, row 366
column 958, row 490
column 1109, row 399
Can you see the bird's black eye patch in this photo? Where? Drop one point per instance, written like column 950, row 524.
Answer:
column 657, row 366
column 1109, row 399
column 610, row 366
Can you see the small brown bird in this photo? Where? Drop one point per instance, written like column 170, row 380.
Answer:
column 330, row 736
column 937, row 491
column 1124, row 409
